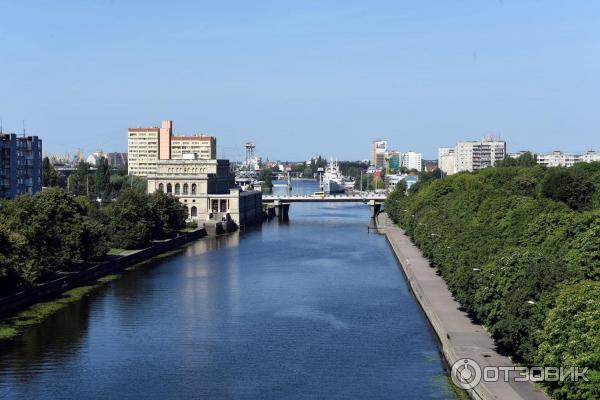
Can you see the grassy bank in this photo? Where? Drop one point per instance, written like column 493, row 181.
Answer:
column 15, row 325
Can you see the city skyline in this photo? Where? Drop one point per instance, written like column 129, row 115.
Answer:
column 333, row 78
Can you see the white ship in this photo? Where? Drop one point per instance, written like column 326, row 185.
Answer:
column 333, row 181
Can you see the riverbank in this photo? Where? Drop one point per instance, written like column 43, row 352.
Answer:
column 73, row 284
column 459, row 337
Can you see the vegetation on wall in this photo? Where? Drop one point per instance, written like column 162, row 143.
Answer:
column 520, row 249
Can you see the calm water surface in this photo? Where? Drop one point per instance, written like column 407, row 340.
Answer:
column 313, row 309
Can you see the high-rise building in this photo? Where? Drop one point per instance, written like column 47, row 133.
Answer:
column 475, row 155
column 378, row 150
column 447, row 160
column 411, row 160
column 148, row 145
column 142, row 150
column 20, row 165
column 202, row 145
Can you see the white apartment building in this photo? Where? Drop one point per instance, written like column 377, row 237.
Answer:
column 560, row 159
column 447, row 160
column 411, row 160
column 475, row 155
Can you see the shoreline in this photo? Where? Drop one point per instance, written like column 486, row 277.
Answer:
column 458, row 336
column 58, row 290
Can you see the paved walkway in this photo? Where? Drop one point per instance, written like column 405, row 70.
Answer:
column 458, row 335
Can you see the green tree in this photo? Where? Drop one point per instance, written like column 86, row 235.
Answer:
column 49, row 232
column 526, row 159
column 572, row 187
column 79, row 182
column 584, row 249
column 266, row 175
column 49, row 174
column 168, row 213
column 102, row 179
column 570, row 338
column 130, row 223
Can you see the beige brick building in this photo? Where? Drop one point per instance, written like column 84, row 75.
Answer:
column 145, row 146
column 207, row 189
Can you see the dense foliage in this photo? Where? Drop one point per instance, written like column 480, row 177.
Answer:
column 54, row 231
column 104, row 183
column 520, row 249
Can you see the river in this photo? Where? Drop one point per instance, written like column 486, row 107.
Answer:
column 315, row 308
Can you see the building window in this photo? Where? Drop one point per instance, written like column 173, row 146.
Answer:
column 169, row 188
column 193, row 188
column 194, row 211
column 161, row 187
column 223, row 205
column 177, row 188
column 185, row 188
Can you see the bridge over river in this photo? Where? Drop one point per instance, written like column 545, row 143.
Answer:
column 281, row 202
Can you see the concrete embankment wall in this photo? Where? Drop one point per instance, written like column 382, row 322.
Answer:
column 459, row 337
column 21, row 300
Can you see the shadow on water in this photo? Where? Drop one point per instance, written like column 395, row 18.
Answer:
column 60, row 334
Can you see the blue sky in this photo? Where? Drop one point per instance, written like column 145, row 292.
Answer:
column 304, row 77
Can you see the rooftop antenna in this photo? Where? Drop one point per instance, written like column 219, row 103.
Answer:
column 1, row 126
column 24, row 128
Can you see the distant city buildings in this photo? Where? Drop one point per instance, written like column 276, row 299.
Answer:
column 411, row 160
column 20, row 165
column 392, row 181
column 207, row 189
column 560, row 159
column 447, row 160
column 378, row 150
column 94, row 158
column 145, row 146
column 117, row 160
column 471, row 155
column 186, row 167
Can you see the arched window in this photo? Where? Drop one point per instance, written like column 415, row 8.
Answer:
column 185, row 188
column 161, row 187
column 193, row 188
column 169, row 188
column 194, row 212
column 177, row 188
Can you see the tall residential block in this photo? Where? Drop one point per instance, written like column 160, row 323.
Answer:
column 411, row 160
column 471, row 155
column 475, row 155
column 378, row 150
column 148, row 145
column 20, row 165
column 447, row 160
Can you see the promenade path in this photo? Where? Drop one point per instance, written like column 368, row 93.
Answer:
column 459, row 337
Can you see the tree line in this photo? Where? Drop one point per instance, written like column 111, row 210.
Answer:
column 519, row 247
column 104, row 183
column 54, row 231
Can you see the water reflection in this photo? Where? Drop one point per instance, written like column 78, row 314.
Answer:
column 313, row 309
